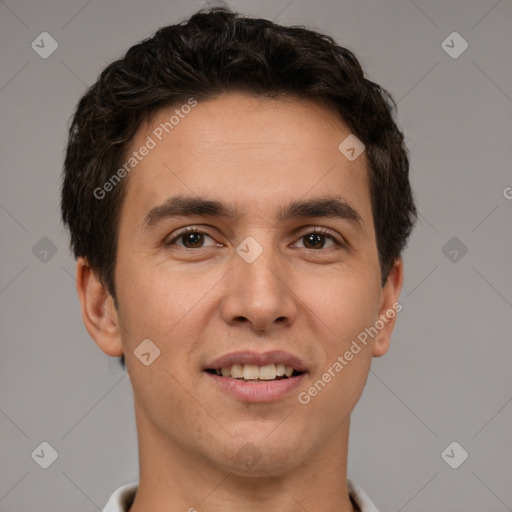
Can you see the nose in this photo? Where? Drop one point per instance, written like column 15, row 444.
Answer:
column 260, row 294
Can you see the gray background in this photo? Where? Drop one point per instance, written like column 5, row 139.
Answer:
column 446, row 377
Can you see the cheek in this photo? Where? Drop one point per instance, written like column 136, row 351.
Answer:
column 346, row 303
column 163, row 306
column 169, row 307
column 150, row 299
column 346, row 309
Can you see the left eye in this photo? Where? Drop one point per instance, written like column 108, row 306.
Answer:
column 318, row 238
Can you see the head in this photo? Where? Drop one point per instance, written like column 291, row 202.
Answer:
column 249, row 114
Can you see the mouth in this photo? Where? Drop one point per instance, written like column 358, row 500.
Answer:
column 257, row 377
column 253, row 372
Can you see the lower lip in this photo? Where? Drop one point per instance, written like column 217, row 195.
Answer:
column 257, row 390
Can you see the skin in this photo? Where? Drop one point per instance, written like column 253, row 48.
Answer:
column 197, row 304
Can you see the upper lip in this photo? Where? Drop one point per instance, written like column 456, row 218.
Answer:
column 259, row 359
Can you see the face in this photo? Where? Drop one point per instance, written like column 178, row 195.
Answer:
column 279, row 267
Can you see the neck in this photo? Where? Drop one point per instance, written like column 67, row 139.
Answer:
column 173, row 477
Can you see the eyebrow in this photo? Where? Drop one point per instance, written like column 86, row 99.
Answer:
column 187, row 206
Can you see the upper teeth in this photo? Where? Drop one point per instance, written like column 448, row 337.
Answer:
column 254, row 372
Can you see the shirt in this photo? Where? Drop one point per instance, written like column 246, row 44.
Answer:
column 122, row 498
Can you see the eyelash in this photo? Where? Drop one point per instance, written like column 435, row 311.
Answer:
column 314, row 231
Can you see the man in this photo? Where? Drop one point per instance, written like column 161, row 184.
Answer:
column 238, row 200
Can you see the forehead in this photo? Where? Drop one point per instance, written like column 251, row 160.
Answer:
column 247, row 151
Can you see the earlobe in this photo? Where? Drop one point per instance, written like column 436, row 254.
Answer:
column 99, row 314
column 389, row 309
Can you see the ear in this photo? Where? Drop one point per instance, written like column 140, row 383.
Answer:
column 98, row 310
column 389, row 309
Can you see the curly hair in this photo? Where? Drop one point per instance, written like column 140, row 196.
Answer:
column 214, row 52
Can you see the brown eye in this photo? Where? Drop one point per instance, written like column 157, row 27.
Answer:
column 317, row 240
column 314, row 241
column 190, row 239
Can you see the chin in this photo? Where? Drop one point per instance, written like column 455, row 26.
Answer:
column 264, row 455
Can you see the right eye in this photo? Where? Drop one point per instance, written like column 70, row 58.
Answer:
column 191, row 238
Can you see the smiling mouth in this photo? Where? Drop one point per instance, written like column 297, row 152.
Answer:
column 253, row 372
